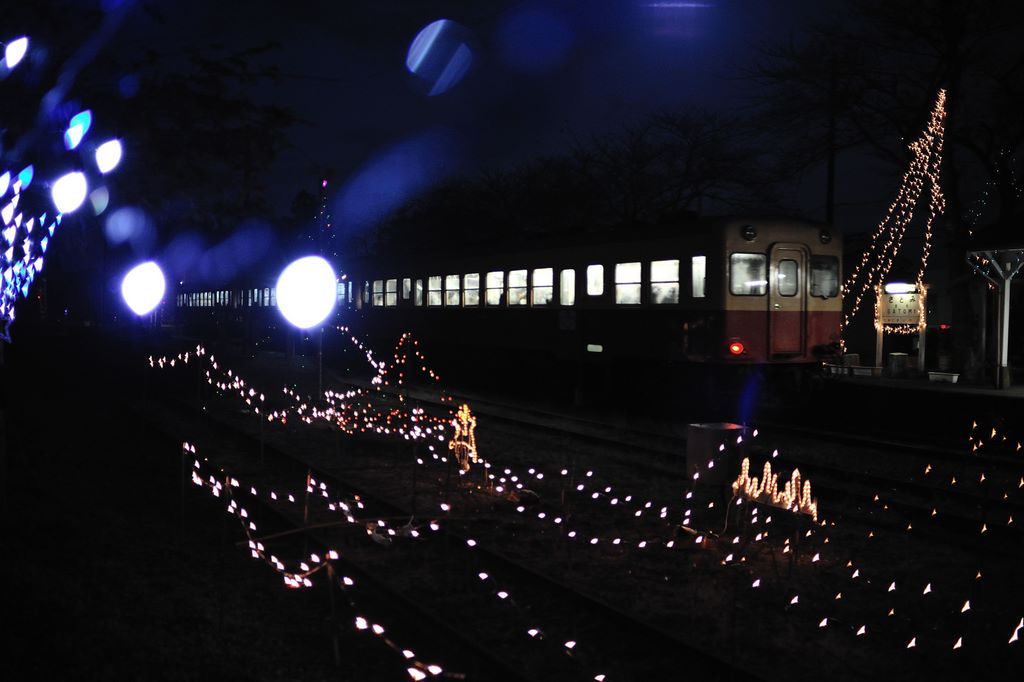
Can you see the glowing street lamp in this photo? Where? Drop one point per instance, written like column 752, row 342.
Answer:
column 143, row 288
column 306, row 294
column 69, row 192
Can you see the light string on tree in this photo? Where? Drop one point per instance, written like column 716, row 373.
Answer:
column 887, row 238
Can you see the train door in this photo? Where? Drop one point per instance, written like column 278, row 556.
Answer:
column 787, row 299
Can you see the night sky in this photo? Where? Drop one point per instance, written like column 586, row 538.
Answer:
column 541, row 75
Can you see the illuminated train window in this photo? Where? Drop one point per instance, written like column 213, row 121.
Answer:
column 391, row 293
column 787, row 277
column 543, row 286
column 452, row 290
column 471, row 289
column 434, row 291
column 341, row 292
column 366, row 292
column 378, row 293
column 418, row 293
column 272, row 302
column 665, row 281
column 698, row 276
column 748, row 274
column 266, row 296
column 595, row 280
column 517, row 287
column 567, row 287
column 627, row 283
column 406, row 288
column 495, row 287
column 273, row 295
column 824, row 276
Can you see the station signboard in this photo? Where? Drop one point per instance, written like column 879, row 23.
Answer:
column 900, row 308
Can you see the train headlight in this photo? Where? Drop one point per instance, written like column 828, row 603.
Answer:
column 736, row 348
column 825, row 236
column 749, row 232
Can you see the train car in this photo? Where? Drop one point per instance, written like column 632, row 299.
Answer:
column 711, row 292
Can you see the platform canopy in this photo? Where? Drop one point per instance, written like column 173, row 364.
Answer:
column 996, row 252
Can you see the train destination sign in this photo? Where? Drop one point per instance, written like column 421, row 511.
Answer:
column 901, row 308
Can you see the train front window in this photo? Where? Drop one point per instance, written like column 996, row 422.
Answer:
column 378, row 293
column 665, row 281
column 627, row 283
column 595, row 279
column 452, row 290
column 787, row 277
column 748, row 274
column 517, row 287
column 543, row 286
column 495, row 285
column 471, row 289
column 434, row 290
column 567, row 287
column 391, row 292
column 824, row 276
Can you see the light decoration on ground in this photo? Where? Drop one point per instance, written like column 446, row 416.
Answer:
column 887, row 239
column 220, row 484
column 793, row 496
column 866, row 583
column 463, row 441
column 26, row 228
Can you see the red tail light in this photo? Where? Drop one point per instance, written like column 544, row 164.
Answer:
column 736, row 348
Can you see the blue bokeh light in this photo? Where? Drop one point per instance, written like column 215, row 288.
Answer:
column 77, row 128
column 26, row 175
column 394, row 176
column 15, row 51
column 440, row 56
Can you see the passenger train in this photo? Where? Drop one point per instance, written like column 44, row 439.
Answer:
column 723, row 291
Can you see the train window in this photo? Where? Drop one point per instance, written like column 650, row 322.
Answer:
column 391, row 292
column 434, row 290
column 595, row 279
column 543, row 286
column 378, row 293
column 787, row 277
column 517, row 287
column 349, row 293
column 748, row 274
column 341, row 292
column 567, row 287
column 495, row 285
column 824, row 276
column 471, row 289
column 627, row 283
column 698, row 276
column 366, row 292
column 418, row 293
column 266, row 296
column 452, row 290
column 665, row 281
column 273, row 295
column 406, row 288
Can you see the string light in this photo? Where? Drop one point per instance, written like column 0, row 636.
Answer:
column 887, row 238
